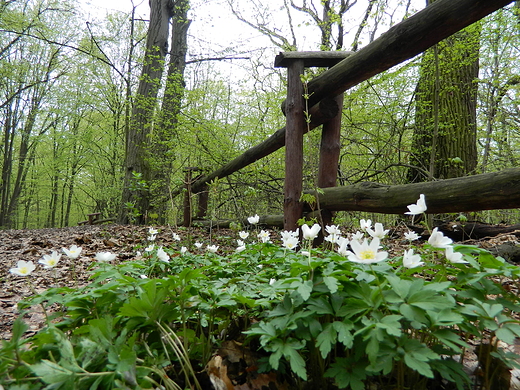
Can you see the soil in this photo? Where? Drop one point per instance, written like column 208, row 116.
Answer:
column 32, row 244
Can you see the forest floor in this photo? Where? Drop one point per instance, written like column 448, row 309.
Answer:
column 124, row 240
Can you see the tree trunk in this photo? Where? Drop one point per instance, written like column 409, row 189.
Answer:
column 444, row 141
column 166, row 129
column 137, row 158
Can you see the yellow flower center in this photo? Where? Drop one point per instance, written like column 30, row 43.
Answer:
column 367, row 254
column 24, row 270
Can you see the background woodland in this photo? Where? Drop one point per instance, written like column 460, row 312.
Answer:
column 104, row 115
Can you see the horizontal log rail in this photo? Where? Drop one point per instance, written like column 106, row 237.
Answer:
column 487, row 191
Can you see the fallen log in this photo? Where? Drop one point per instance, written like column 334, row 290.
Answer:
column 460, row 231
column 487, row 191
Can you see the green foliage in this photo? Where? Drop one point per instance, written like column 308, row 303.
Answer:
column 148, row 322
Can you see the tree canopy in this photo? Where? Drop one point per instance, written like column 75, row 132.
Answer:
column 69, row 83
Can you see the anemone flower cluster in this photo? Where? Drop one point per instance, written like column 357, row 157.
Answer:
column 437, row 239
column 290, row 239
column 25, row 268
column 152, row 234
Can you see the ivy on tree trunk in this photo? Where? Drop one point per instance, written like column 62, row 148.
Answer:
column 138, row 172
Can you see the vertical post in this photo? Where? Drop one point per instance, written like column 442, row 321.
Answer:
column 329, row 155
column 295, row 123
column 203, row 202
column 187, row 195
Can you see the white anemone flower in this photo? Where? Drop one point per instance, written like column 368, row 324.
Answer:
column 264, row 236
column 149, row 248
column 343, row 244
column 176, row 237
column 50, row 261
column 334, row 233
column 454, row 257
column 73, row 252
column 212, row 248
column 417, row 208
column 366, row 253
column 365, row 224
column 241, row 246
column 198, row 245
column 379, row 232
column 290, row 243
column 183, row 250
column 411, row 260
column 105, row 257
column 358, row 236
column 23, row 268
column 411, row 236
column 286, row 234
column 310, row 233
column 162, row 255
column 152, row 231
column 151, row 237
column 439, row 240
column 243, row 235
column 254, row 219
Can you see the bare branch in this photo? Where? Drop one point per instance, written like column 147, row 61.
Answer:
column 362, row 25
column 75, row 48
column 216, row 59
column 276, row 38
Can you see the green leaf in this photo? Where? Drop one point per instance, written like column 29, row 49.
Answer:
column 347, row 372
column 508, row 332
column 320, row 306
column 304, row 288
column 428, row 301
column 289, row 350
column 52, row 373
column 400, row 286
column 391, row 324
column 326, row 339
column 445, row 317
column 415, row 315
column 331, row 283
column 282, row 309
column 417, row 356
column 344, row 335
column 450, row 339
column 296, row 361
column 420, row 366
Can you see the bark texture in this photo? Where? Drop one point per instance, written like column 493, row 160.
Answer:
column 136, row 195
column 445, row 143
column 488, row 191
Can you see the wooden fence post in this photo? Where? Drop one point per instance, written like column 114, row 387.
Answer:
column 294, row 146
column 295, row 128
column 329, row 156
column 203, row 197
column 187, row 195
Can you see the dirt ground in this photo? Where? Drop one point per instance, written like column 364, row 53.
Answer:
column 31, row 245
